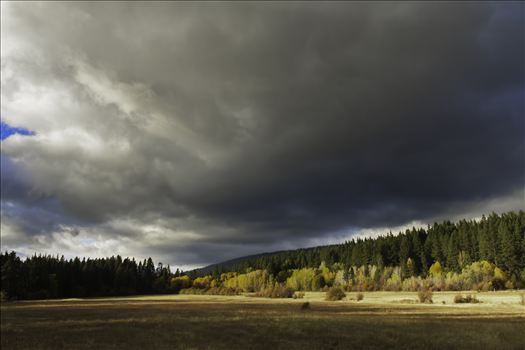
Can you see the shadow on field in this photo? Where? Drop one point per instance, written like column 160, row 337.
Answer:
column 250, row 324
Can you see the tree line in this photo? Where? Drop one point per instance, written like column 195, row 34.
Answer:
column 497, row 239
column 483, row 254
column 44, row 276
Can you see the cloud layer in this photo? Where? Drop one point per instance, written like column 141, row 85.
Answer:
column 195, row 132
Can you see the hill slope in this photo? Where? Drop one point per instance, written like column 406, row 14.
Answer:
column 499, row 239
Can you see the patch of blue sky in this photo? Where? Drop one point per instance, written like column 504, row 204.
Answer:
column 6, row 130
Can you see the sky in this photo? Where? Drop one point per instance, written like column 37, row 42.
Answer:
column 196, row 132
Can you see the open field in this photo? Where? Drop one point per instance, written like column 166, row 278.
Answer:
column 383, row 320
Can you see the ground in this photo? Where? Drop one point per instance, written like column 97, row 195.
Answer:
column 383, row 320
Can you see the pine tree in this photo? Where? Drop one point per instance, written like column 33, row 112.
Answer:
column 453, row 253
column 508, row 257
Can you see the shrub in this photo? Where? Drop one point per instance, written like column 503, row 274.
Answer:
column 277, row 291
column 298, row 295
column 425, row 295
column 469, row 299
column 509, row 285
column 202, row 282
column 305, row 306
column 191, row 291
column 394, row 282
column 360, row 296
column 178, row 283
column 335, row 293
column 522, row 299
column 211, row 291
column 412, row 284
column 223, row 291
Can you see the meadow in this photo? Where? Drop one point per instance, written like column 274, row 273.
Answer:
column 382, row 320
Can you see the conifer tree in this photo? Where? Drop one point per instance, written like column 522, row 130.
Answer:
column 508, row 256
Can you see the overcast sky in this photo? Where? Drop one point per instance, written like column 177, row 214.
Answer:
column 199, row 132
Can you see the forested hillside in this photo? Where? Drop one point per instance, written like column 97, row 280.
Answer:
column 486, row 254
column 499, row 239
column 477, row 254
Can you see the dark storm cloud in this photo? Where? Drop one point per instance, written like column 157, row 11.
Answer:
column 231, row 128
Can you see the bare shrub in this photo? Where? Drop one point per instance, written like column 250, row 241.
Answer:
column 425, row 295
column 335, row 293
column 223, row 291
column 192, row 291
column 469, row 299
column 360, row 296
column 278, row 291
column 211, row 291
column 298, row 295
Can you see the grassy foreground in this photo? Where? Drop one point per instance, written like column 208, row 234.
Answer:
column 383, row 320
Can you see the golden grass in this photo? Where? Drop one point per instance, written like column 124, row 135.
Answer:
column 381, row 321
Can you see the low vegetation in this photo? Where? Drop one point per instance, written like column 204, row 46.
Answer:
column 468, row 299
column 277, row 291
column 298, row 295
column 480, row 275
column 335, row 293
column 425, row 295
column 228, row 323
column 211, row 291
column 359, row 296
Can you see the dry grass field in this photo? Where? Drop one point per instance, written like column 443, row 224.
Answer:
column 383, row 320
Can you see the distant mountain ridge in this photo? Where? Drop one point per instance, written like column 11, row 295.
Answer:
column 233, row 264
column 228, row 264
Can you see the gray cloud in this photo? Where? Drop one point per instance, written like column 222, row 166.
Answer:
column 201, row 131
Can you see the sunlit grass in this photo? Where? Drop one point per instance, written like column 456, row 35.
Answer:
column 382, row 321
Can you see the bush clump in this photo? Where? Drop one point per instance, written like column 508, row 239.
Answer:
column 298, row 295
column 305, row 306
column 469, row 299
column 425, row 295
column 277, row 291
column 360, row 296
column 335, row 293
column 211, row 291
